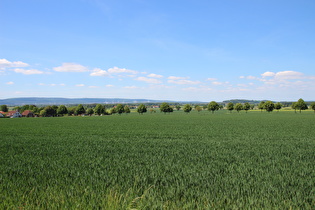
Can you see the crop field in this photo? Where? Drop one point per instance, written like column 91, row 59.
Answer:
column 159, row 161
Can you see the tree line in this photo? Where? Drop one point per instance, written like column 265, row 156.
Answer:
column 99, row 109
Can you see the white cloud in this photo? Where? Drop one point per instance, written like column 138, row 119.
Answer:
column 28, row 72
column 10, row 83
column 211, row 79
column 117, row 70
column 130, row 87
column 4, row 63
column 93, row 86
column 242, row 77
column 109, row 85
column 289, row 75
column 155, row 76
column 80, row 85
column 71, row 67
column 268, row 74
column 251, row 77
column 148, row 80
column 184, row 82
column 99, row 72
column 177, row 78
column 217, row 83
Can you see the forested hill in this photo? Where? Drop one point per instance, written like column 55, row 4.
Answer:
column 58, row 101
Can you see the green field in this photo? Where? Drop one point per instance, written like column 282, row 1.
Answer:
column 159, row 161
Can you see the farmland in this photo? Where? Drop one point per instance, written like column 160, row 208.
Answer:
column 159, row 161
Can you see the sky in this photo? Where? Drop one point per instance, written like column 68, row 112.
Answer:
column 188, row 50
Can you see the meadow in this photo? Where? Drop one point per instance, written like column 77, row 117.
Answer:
column 159, row 161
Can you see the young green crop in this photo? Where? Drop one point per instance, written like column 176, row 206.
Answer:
column 157, row 161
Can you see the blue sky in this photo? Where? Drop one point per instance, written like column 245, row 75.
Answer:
column 200, row 50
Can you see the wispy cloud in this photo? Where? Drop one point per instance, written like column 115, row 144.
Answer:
column 28, row 72
column 99, row 72
column 148, row 80
column 184, row 82
column 117, row 70
column 4, row 63
column 130, row 87
column 177, row 78
column 155, row 75
column 80, row 85
column 10, row 83
column 71, row 67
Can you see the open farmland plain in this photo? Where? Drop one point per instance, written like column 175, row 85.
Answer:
column 159, row 161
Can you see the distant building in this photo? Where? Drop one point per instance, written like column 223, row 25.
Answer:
column 14, row 114
column 28, row 113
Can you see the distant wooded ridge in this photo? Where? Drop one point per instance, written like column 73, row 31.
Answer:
column 67, row 101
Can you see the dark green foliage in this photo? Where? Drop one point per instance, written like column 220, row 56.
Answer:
column 4, row 108
column 127, row 109
column 142, row 109
column 90, row 111
column 238, row 107
column 230, row 106
column 165, row 107
column 261, row 105
column 62, row 110
column 246, row 107
column 80, row 109
column 99, row 109
column 49, row 111
column 313, row 106
column 178, row 161
column 119, row 109
column 213, row 106
column 278, row 106
column 269, row 106
column 177, row 107
column 300, row 105
column 187, row 108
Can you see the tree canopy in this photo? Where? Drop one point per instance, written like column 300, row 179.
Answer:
column 230, row 106
column 142, row 109
column 165, row 107
column 187, row 108
column 213, row 106
column 238, row 107
column 269, row 106
column 80, row 109
column 300, row 105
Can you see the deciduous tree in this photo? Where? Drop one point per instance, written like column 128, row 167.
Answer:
column 261, row 106
column 269, row 106
column 142, row 109
column 165, row 107
column 238, row 107
column 62, row 110
column 301, row 105
column 127, row 109
column 230, row 107
column 246, row 106
column 278, row 106
column 313, row 106
column 80, row 109
column 99, row 109
column 120, row 109
column 213, row 106
column 198, row 108
column 187, row 108
column 4, row 108
column 90, row 111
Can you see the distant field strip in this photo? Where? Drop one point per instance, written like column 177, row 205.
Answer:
column 159, row 161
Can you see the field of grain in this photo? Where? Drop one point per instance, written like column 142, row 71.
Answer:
column 159, row 161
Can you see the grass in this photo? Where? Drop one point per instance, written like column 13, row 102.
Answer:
column 159, row 161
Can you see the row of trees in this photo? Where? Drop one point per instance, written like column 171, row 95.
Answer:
column 100, row 109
